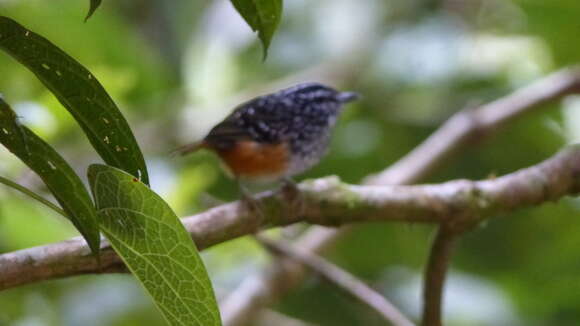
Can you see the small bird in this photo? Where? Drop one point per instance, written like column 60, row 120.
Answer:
column 276, row 136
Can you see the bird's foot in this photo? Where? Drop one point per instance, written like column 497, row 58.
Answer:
column 255, row 208
column 293, row 198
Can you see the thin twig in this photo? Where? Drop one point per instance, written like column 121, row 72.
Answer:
column 415, row 166
column 435, row 274
column 342, row 279
column 256, row 291
column 33, row 195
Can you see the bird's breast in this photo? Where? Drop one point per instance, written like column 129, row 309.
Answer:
column 252, row 160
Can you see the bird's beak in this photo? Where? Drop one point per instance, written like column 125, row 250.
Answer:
column 346, row 97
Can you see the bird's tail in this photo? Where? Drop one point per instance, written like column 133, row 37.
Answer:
column 189, row 148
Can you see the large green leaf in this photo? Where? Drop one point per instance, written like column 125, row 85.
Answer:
column 58, row 176
column 80, row 93
column 263, row 16
column 149, row 237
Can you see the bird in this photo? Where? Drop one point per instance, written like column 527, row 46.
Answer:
column 276, row 136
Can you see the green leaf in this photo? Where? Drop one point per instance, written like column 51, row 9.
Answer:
column 149, row 237
column 263, row 16
column 59, row 177
column 80, row 93
column 94, row 5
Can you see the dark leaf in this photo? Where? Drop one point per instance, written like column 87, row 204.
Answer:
column 80, row 93
column 94, row 5
column 59, row 177
column 263, row 16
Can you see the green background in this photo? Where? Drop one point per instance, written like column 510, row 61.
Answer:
column 176, row 67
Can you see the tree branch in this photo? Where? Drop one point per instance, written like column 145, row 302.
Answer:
column 435, row 275
column 421, row 162
column 472, row 124
column 341, row 279
column 327, row 201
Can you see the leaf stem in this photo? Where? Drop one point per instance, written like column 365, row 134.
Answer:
column 34, row 195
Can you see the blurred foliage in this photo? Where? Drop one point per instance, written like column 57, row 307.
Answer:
column 176, row 67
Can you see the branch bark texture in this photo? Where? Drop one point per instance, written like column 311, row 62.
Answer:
column 327, row 201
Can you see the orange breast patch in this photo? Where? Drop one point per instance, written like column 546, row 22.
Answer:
column 254, row 160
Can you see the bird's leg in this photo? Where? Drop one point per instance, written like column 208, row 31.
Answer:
column 289, row 187
column 251, row 203
column 292, row 195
